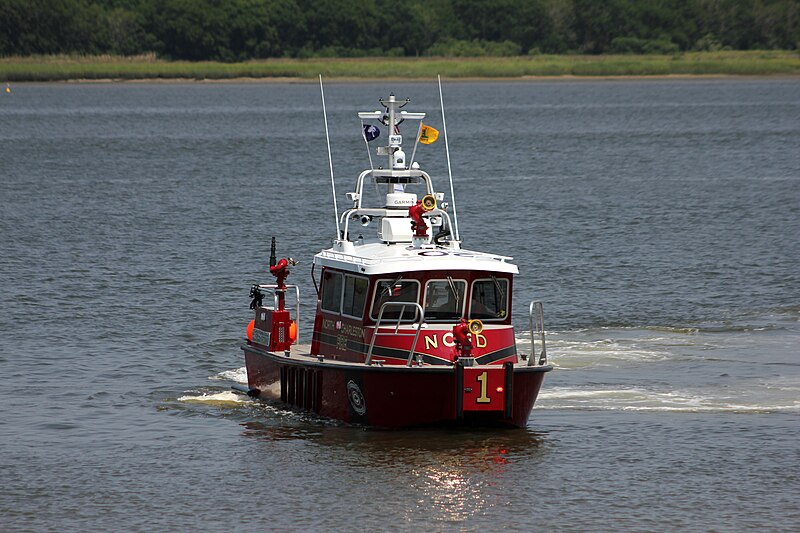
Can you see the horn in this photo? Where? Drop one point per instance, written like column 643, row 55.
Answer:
column 428, row 202
column 475, row 326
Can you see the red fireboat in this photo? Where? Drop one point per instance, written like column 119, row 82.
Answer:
column 410, row 328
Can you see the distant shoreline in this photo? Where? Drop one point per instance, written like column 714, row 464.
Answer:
column 110, row 69
column 522, row 79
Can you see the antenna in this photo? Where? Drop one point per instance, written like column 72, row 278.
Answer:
column 330, row 159
column 449, row 171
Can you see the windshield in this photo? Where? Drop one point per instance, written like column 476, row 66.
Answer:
column 489, row 299
column 395, row 291
column 444, row 299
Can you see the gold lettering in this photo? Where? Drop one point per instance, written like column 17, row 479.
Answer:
column 483, row 379
column 480, row 340
column 431, row 342
column 449, row 343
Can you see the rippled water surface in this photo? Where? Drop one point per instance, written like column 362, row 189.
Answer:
column 657, row 220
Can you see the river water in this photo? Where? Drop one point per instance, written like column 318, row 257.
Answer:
column 657, row 220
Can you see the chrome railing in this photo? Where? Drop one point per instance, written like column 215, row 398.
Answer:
column 419, row 319
column 536, row 319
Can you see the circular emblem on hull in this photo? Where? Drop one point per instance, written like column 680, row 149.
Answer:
column 356, row 398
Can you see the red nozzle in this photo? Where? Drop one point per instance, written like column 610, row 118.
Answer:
column 280, row 272
column 418, row 224
column 463, row 338
column 460, row 332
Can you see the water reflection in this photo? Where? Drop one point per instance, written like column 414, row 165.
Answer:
column 448, row 475
column 497, row 442
column 449, row 493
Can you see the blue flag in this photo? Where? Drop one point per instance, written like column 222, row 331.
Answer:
column 371, row 132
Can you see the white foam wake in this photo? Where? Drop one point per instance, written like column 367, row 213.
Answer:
column 237, row 375
column 221, row 398
column 572, row 354
column 639, row 399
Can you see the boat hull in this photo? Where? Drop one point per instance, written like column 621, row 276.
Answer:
column 397, row 396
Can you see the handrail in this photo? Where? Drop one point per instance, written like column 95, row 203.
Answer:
column 349, row 214
column 536, row 319
column 419, row 320
column 387, row 173
column 272, row 287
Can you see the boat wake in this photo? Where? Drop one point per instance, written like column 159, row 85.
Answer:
column 656, row 368
column 642, row 399
column 221, row 398
column 236, row 375
column 218, row 398
column 566, row 351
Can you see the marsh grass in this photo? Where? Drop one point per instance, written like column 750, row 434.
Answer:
column 62, row 68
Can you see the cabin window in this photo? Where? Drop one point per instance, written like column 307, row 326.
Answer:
column 397, row 290
column 331, row 291
column 355, row 296
column 489, row 299
column 444, row 299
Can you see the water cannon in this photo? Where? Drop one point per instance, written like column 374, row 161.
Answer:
column 462, row 335
column 279, row 268
column 281, row 271
column 418, row 225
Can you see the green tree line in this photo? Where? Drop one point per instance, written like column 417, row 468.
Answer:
column 236, row 30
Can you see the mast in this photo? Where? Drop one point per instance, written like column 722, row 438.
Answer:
column 392, row 123
column 393, row 139
column 449, row 169
column 395, row 214
column 330, row 159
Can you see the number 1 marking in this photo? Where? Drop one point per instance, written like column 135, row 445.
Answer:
column 483, row 378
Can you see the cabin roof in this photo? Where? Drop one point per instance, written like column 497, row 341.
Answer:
column 381, row 258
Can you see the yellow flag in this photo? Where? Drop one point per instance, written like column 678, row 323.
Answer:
column 428, row 135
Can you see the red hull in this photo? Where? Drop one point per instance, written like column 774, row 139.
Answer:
column 397, row 396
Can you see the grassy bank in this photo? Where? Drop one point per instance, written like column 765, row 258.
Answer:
column 61, row 68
